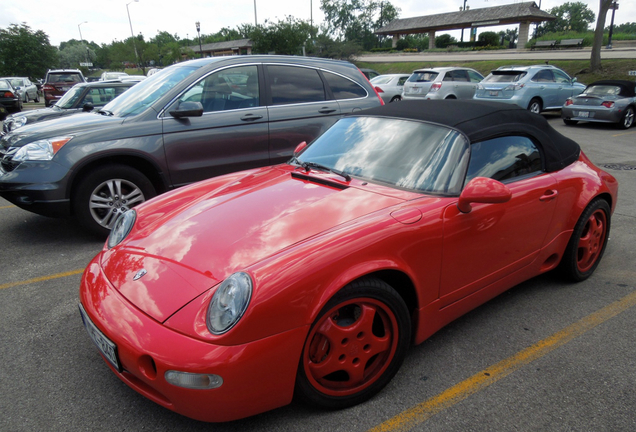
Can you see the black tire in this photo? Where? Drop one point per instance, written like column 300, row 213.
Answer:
column 395, row 99
column 96, row 206
column 361, row 336
column 47, row 103
column 587, row 244
column 535, row 106
column 627, row 120
column 37, row 97
column 570, row 122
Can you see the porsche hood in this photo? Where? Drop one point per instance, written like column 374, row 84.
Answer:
column 167, row 262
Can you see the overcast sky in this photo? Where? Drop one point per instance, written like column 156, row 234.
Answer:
column 107, row 20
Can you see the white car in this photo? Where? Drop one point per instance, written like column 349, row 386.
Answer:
column 112, row 76
column 390, row 86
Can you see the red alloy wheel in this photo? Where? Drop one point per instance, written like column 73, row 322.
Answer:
column 351, row 347
column 591, row 241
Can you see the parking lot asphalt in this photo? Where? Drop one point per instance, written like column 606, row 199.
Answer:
column 546, row 355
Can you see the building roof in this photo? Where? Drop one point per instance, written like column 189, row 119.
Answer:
column 222, row 46
column 498, row 15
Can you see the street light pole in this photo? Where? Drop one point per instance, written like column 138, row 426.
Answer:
column 255, row 19
column 613, row 6
column 81, row 38
column 198, row 24
column 131, row 31
column 463, row 9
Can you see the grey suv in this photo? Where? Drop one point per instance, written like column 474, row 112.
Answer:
column 537, row 88
column 192, row 121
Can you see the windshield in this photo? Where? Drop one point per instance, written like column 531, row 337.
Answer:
column 69, row 98
column 407, row 154
column 507, row 76
column 423, row 76
column 144, row 94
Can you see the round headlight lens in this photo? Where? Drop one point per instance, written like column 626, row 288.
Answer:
column 229, row 303
column 121, row 228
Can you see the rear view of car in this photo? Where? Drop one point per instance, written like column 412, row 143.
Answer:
column 390, row 86
column 59, row 82
column 10, row 99
column 442, row 83
column 607, row 101
column 536, row 88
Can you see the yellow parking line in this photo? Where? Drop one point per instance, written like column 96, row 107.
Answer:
column 6, row 207
column 624, row 133
column 42, row 278
column 420, row 413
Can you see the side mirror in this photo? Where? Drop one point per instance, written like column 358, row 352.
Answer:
column 87, row 107
column 299, row 148
column 483, row 190
column 188, row 109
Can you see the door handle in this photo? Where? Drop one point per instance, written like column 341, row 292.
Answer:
column 251, row 117
column 549, row 195
column 326, row 110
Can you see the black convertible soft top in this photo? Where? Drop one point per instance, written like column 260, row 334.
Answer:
column 486, row 120
column 628, row 88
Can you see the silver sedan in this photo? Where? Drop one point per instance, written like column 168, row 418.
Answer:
column 390, row 86
column 607, row 101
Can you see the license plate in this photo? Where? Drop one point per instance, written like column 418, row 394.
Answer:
column 494, row 93
column 104, row 345
column 584, row 114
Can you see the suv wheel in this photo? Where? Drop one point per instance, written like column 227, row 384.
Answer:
column 106, row 192
column 535, row 106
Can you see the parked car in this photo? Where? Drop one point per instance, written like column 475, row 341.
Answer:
column 390, row 86
column 83, row 97
column 112, row 75
column 179, row 126
column 606, row 101
column 537, row 88
column 27, row 90
column 10, row 99
column 58, row 82
column 152, row 71
column 369, row 73
column 313, row 278
column 442, row 83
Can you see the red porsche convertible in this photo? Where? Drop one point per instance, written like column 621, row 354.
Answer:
column 229, row 297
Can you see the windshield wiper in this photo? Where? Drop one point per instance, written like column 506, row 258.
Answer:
column 105, row 112
column 309, row 165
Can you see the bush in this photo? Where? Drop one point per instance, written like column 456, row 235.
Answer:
column 489, row 38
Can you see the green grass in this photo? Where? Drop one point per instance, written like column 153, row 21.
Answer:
column 611, row 69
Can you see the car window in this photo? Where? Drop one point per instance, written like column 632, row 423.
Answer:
column 382, row 79
column 64, row 78
column 456, row 75
column 4, row 85
column 474, row 76
column 228, row 89
column 544, row 75
column 503, row 158
column 505, row 76
column 423, row 76
column 402, row 80
column 344, row 88
column 424, row 157
column 69, row 98
column 292, row 84
column 561, row 77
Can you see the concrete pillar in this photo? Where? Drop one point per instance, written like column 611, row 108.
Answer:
column 524, row 31
column 431, row 40
column 396, row 38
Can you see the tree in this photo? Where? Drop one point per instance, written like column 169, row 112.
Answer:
column 72, row 55
column 444, row 40
column 570, row 16
column 595, row 59
column 287, row 36
column 353, row 20
column 24, row 52
column 489, row 38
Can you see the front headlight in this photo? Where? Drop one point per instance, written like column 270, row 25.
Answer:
column 229, row 303
column 16, row 122
column 121, row 228
column 42, row 150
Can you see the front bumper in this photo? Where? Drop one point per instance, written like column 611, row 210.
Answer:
column 257, row 376
column 38, row 187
